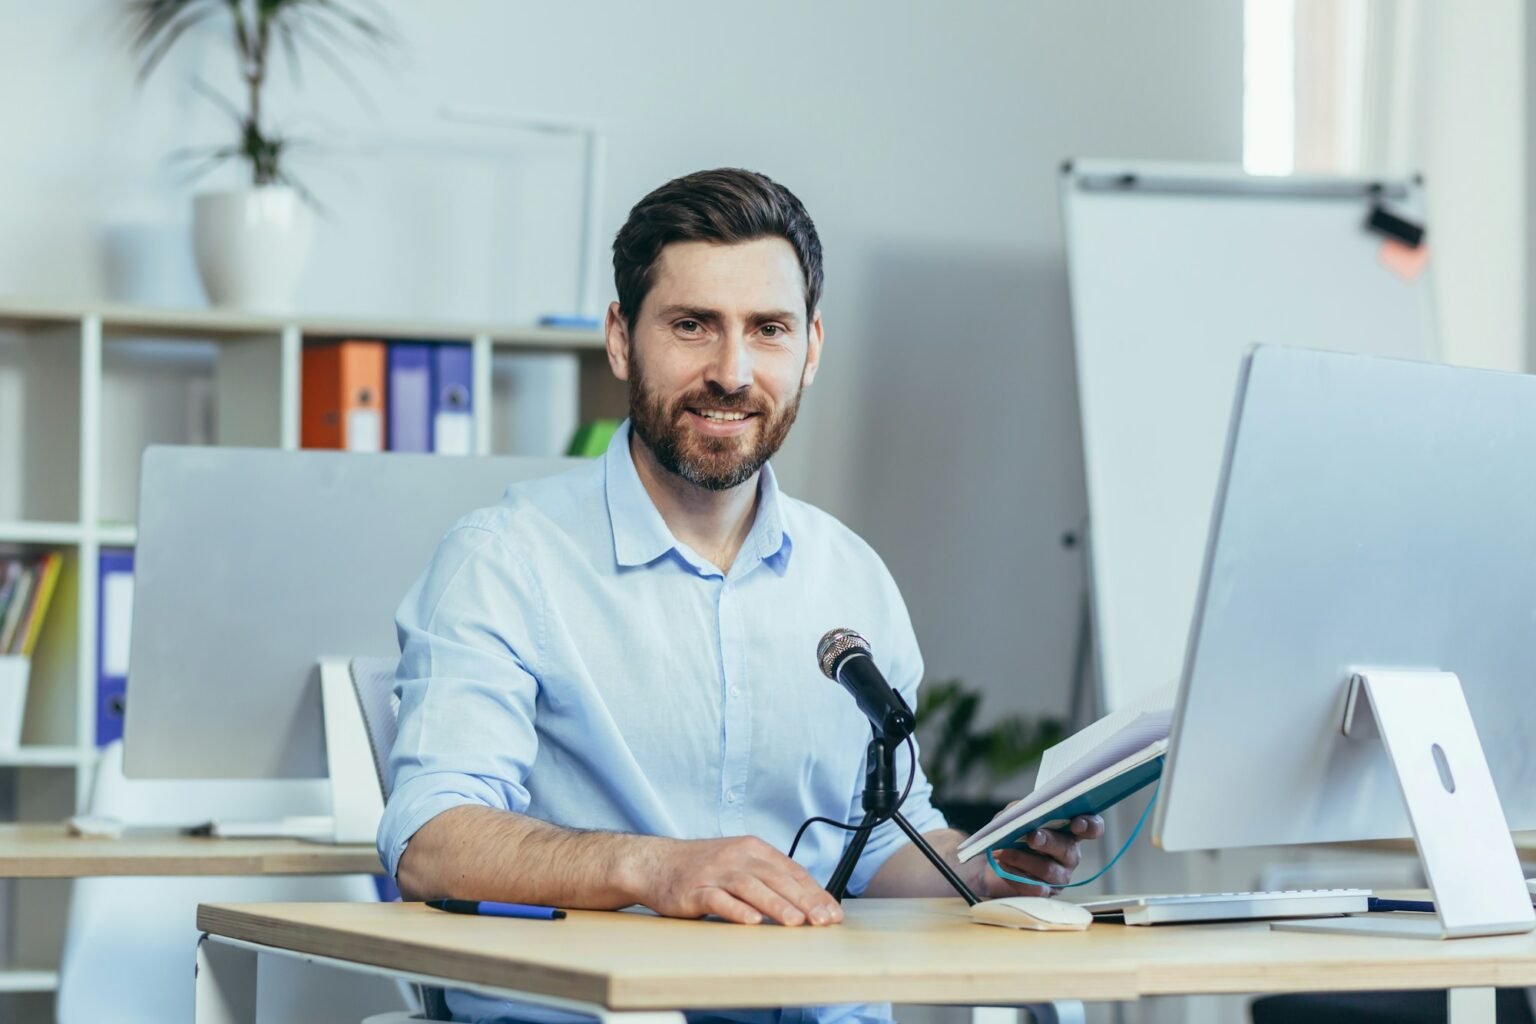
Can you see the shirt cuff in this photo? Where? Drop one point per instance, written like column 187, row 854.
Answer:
column 405, row 813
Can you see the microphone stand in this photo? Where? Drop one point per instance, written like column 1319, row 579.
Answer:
column 882, row 800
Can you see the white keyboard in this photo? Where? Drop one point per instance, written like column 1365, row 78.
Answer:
column 1231, row 906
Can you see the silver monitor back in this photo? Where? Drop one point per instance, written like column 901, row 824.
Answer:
column 1371, row 513
column 253, row 563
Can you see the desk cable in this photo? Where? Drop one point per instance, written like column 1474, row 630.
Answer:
column 849, row 827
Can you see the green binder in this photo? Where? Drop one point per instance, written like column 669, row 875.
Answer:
column 592, row 438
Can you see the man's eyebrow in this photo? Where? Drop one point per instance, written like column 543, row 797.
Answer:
column 693, row 312
column 771, row 315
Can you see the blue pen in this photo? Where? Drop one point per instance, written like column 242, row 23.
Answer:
column 490, row 908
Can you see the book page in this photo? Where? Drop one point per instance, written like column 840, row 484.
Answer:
column 1145, row 719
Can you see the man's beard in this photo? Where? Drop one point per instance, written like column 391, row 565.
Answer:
column 713, row 463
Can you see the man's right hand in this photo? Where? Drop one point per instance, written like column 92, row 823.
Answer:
column 740, row 879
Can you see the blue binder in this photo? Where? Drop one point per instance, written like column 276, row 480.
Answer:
column 408, row 377
column 114, row 619
column 453, row 431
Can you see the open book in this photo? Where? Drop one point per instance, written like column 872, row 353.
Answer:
column 1087, row 772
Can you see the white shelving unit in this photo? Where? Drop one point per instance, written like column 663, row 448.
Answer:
column 22, row 980
column 83, row 390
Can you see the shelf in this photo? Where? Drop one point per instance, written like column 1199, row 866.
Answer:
column 117, row 319
column 44, row 757
column 117, row 535
column 21, row 979
column 40, row 533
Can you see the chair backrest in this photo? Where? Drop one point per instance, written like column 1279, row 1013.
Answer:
column 374, row 681
column 129, row 943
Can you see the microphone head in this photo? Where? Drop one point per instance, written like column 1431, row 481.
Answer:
column 834, row 644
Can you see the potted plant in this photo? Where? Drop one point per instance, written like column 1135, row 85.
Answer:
column 251, row 242
column 968, row 766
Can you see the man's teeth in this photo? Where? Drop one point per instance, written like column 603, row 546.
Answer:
column 722, row 417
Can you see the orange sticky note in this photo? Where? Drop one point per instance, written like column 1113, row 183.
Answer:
column 1406, row 261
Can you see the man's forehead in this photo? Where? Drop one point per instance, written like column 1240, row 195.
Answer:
column 761, row 273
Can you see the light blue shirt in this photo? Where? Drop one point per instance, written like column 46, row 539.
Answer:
column 565, row 657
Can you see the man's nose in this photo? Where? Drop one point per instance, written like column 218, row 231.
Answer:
column 732, row 368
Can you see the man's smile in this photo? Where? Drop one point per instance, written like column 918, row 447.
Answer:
column 721, row 422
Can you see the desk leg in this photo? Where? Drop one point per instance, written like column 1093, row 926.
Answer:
column 1062, row 1011
column 1472, row 1006
column 226, row 984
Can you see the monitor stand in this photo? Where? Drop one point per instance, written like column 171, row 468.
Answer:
column 1459, row 827
column 357, row 799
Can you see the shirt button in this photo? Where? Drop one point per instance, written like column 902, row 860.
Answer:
column 735, row 691
column 730, row 796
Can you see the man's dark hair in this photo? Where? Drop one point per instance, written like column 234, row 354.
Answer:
column 728, row 205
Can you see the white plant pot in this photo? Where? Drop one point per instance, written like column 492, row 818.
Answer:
column 251, row 245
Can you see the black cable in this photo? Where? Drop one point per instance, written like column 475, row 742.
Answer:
column 849, row 827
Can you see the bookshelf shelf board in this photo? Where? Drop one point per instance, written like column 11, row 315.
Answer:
column 117, row 320
column 43, row 757
column 117, row 535
column 23, row 979
column 549, row 339
column 40, row 533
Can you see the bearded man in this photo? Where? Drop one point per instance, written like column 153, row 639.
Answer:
column 608, row 686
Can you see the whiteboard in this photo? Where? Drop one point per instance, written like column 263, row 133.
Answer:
column 1175, row 271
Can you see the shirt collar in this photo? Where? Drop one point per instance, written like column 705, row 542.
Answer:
column 640, row 534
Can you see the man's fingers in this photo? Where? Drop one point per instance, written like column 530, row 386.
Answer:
column 1088, row 826
column 1050, row 843
column 776, row 904
column 800, row 889
column 754, row 891
column 723, row 904
column 1035, row 866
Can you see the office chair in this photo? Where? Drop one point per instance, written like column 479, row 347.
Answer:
column 373, row 679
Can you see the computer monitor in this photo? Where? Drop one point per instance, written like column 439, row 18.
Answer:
column 1375, row 518
column 251, row 565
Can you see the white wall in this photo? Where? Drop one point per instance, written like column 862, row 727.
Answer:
column 924, row 138
column 1474, row 155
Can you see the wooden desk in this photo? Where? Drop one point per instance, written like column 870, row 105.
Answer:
column 49, row 851
column 906, row 951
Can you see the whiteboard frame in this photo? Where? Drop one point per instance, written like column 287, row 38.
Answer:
column 1214, row 181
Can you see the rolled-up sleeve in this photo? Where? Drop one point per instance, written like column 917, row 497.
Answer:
column 470, row 631
column 903, row 669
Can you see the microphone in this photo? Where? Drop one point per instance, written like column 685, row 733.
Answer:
column 845, row 658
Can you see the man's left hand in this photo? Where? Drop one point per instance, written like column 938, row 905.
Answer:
column 1047, row 855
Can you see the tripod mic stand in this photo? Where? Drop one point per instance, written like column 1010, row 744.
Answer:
column 882, row 800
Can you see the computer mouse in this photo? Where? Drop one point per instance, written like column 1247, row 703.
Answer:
column 1037, row 913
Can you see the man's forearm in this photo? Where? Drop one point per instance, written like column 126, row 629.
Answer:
column 475, row 852
column 908, row 873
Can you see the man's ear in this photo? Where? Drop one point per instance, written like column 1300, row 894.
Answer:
column 616, row 341
column 813, row 339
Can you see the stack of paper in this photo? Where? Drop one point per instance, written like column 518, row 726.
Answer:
column 1088, row 771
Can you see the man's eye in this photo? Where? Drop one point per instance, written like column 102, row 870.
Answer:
column 688, row 326
column 772, row 330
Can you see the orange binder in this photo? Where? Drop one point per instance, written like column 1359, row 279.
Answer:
column 343, row 401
